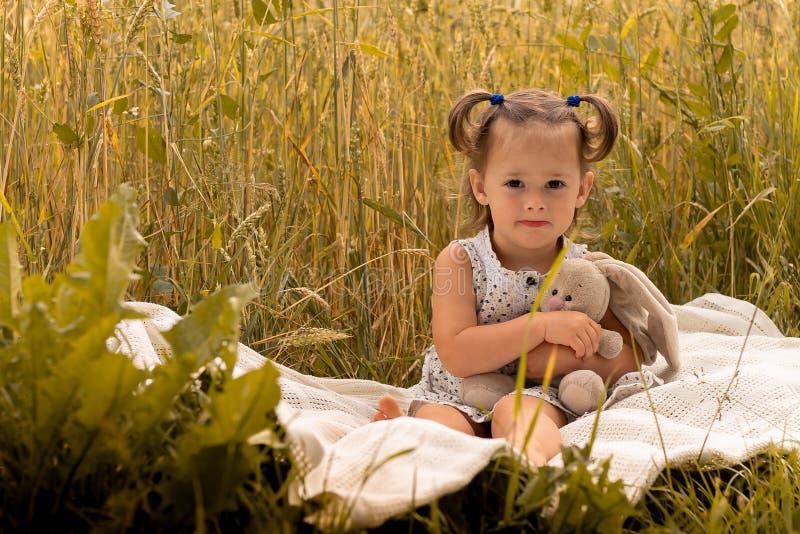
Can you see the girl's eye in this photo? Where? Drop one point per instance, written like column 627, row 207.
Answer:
column 568, row 298
column 555, row 184
column 514, row 183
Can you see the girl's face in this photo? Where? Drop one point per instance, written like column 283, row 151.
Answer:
column 532, row 184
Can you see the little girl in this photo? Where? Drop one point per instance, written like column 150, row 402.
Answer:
column 529, row 156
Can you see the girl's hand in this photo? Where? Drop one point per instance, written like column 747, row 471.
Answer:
column 572, row 329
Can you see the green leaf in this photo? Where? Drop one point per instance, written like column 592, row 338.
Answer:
column 230, row 108
column 150, row 143
column 697, row 89
column 211, row 329
column 109, row 245
column 626, row 28
column 569, row 41
column 109, row 384
column 65, row 134
column 120, row 105
column 10, row 277
column 241, row 409
column 723, row 13
column 725, row 60
column 171, row 197
column 182, row 38
column 652, row 58
column 724, row 33
column 372, row 50
column 217, row 455
column 266, row 14
column 216, row 236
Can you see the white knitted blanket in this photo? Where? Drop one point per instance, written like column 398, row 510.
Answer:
column 737, row 392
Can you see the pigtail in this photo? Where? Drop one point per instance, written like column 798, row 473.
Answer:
column 601, row 131
column 461, row 130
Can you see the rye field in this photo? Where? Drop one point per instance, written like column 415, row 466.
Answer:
column 301, row 147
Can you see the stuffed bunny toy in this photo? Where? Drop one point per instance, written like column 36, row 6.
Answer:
column 591, row 285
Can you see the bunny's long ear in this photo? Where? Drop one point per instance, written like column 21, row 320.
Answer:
column 641, row 308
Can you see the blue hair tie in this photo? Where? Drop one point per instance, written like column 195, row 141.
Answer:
column 497, row 98
column 574, row 101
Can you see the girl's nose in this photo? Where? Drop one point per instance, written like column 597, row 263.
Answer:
column 533, row 202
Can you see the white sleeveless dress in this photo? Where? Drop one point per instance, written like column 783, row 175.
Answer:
column 500, row 295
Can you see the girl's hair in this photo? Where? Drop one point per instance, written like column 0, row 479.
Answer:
column 597, row 134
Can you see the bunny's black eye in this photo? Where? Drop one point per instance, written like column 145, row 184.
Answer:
column 555, row 292
column 568, row 298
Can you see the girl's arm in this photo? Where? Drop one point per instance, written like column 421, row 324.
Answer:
column 609, row 369
column 466, row 348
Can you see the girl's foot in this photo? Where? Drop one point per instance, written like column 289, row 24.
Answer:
column 388, row 408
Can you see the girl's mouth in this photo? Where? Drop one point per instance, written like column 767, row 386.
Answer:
column 533, row 224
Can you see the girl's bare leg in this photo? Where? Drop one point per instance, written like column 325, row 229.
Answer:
column 452, row 418
column 388, row 408
column 545, row 439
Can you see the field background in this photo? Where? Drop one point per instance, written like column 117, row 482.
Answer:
column 302, row 146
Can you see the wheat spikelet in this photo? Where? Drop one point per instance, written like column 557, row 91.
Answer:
column 415, row 251
column 137, row 22
column 312, row 336
column 153, row 72
column 250, row 221
column 48, row 8
column 89, row 15
column 485, row 76
column 13, row 67
column 311, row 294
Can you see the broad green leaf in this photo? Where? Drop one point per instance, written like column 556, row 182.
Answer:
column 372, row 50
column 65, row 134
column 697, row 89
column 724, row 33
column 266, row 13
column 585, row 31
column 569, row 41
column 734, row 159
column 217, row 454
column 652, row 59
column 182, row 38
column 216, row 236
column 109, row 245
column 626, row 28
column 150, row 142
column 211, row 329
column 120, row 105
column 699, row 108
column 108, row 385
column 10, row 277
column 723, row 13
column 725, row 60
column 240, row 410
column 230, row 108
column 171, row 197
